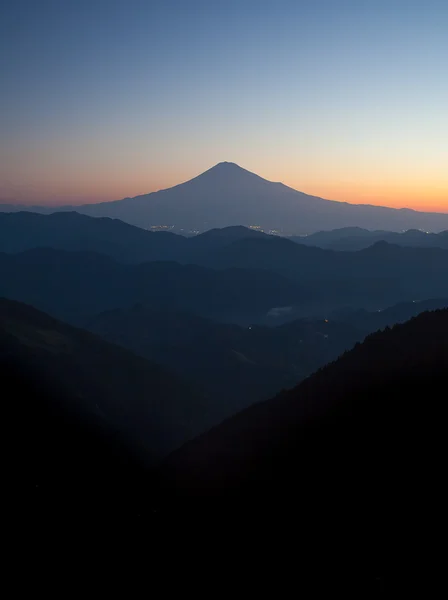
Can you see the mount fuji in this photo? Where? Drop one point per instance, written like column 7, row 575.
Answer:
column 228, row 195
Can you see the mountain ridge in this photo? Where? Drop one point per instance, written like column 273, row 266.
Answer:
column 226, row 194
column 374, row 389
column 114, row 388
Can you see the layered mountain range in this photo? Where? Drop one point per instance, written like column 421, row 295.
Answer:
column 72, row 265
column 219, row 347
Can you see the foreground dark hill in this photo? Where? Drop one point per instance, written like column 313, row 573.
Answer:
column 228, row 195
column 356, row 450
column 70, row 285
column 118, row 393
column 353, row 239
column 63, row 469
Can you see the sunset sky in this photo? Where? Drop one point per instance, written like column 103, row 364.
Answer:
column 344, row 99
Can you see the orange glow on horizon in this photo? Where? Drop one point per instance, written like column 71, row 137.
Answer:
column 90, row 188
column 425, row 200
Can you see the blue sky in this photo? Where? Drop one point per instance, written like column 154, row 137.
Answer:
column 105, row 99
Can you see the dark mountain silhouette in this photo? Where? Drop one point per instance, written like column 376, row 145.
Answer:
column 217, row 238
column 75, row 232
column 371, row 279
column 369, row 322
column 72, row 231
column 227, row 195
column 241, row 282
column 108, row 388
column 324, row 239
column 70, row 285
column 63, row 469
column 346, row 462
column 353, row 239
column 376, row 277
column 235, row 365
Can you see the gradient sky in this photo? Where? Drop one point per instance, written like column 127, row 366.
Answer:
column 345, row 99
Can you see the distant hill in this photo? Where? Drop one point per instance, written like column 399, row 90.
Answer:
column 238, row 247
column 375, row 277
column 71, row 285
column 241, row 275
column 140, row 404
column 237, row 366
column 399, row 313
column 354, row 239
column 75, row 232
column 324, row 239
column 241, row 282
column 228, row 195
column 72, row 231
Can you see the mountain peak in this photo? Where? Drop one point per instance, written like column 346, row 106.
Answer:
column 226, row 165
column 227, row 172
column 228, row 168
column 227, row 194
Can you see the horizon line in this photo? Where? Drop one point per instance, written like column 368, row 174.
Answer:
column 12, row 202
